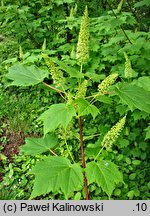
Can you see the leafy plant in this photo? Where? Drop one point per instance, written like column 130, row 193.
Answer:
column 16, row 182
column 72, row 83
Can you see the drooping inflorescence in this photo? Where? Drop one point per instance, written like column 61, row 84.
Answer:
column 112, row 135
column 56, row 73
column 83, row 39
column 107, row 83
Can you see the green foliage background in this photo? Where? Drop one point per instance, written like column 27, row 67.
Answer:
column 27, row 24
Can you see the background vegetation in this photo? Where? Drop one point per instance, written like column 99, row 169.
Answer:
column 27, row 28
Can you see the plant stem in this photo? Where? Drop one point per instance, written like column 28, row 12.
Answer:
column 53, row 152
column 69, row 152
column 83, row 159
column 49, row 86
column 55, row 89
column 99, row 153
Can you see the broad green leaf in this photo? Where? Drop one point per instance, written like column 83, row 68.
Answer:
column 134, row 96
column 23, row 75
column 104, row 99
column 55, row 173
column 105, row 174
column 57, row 115
column 35, row 146
column 144, row 82
column 85, row 108
column 147, row 133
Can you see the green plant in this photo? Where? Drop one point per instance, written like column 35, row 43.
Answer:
column 79, row 102
column 16, row 182
column 33, row 20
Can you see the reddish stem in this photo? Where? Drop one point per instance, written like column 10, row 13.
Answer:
column 83, row 159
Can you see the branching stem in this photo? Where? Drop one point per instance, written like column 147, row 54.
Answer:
column 55, row 89
column 49, row 86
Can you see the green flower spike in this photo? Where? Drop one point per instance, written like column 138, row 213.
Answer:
column 128, row 67
column 83, row 39
column 107, row 83
column 56, row 74
column 82, row 89
column 112, row 135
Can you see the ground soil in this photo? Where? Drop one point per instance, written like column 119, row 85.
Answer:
column 11, row 146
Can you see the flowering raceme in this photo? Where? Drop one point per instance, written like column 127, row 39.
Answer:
column 107, row 83
column 82, row 89
column 112, row 135
column 56, row 74
column 128, row 67
column 83, row 39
